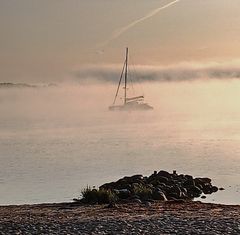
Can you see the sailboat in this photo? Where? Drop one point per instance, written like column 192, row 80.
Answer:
column 129, row 103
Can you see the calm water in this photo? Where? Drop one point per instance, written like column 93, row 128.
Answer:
column 59, row 141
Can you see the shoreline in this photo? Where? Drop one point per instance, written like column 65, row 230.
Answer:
column 72, row 203
column 126, row 218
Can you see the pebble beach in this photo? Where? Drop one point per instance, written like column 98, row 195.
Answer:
column 128, row 218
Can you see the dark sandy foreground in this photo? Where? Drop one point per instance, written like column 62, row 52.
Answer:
column 157, row 218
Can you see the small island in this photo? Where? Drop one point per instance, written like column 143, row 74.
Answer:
column 160, row 186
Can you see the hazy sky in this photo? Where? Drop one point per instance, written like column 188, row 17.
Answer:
column 44, row 40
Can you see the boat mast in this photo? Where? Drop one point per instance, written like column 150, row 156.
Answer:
column 125, row 82
column 119, row 83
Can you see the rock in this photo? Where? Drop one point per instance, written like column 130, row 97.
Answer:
column 214, row 189
column 162, row 179
column 203, row 183
column 159, row 195
column 188, row 182
column 221, row 188
column 183, row 190
column 207, row 188
column 160, row 185
column 155, row 182
column 134, row 197
column 174, row 191
column 147, row 203
column 164, row 174
column 188, row 177
column 193, row 191
column 123, row 193
column 136, row 200
column 137, row 177
column 203, row 197
column 111, row 205
column 206, row 180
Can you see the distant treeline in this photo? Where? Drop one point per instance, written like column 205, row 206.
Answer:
column 22, row 85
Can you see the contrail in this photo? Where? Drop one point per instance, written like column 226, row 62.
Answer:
column 122, row 30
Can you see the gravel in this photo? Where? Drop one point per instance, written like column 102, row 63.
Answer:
column 133, row 218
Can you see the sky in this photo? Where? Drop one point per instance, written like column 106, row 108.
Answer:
column 49, row 39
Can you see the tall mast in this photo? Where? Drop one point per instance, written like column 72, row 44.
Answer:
column 125, row 82
column 119, row 83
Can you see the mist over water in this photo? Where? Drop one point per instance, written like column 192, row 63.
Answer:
column 171, row 73
column 54, row 141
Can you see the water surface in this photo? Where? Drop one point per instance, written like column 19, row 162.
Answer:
column 56, row 141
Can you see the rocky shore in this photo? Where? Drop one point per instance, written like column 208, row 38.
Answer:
column 128, row 218
column 159, row 186
column 161, row 203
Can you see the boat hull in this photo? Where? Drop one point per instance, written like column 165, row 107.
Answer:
column 131, row 107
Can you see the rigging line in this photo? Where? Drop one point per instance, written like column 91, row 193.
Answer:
column 131, row 75
column 138, row 82
column 131, row 81
column 122, row 30
column 119, row 83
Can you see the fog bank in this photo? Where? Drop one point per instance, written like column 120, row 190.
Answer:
column 180, row 72
column 89, row 103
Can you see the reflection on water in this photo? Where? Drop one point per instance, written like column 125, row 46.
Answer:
column 55, row 141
